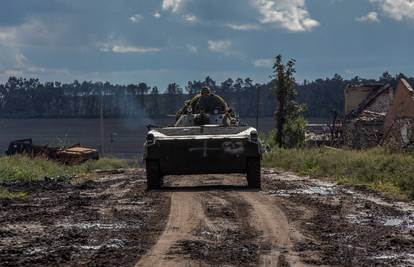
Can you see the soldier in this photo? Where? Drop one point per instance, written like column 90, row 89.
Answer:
column 207, row 102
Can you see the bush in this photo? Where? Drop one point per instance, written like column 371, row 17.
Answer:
column 294, row 132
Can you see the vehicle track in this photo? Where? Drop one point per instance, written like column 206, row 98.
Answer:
column 187, row 214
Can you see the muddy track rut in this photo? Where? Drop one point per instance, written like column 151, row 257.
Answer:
column 215, row 225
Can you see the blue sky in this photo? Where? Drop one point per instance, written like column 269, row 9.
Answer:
column 162, row 41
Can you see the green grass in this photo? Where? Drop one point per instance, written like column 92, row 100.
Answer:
column 378, row 169
column 8, row 195
column 22, row 168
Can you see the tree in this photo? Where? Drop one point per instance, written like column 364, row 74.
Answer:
column 193, row 87
column 142, row 89
column 174, row 89
column 154, row 109
column 210, row 83
column 238, row 85
column 248, row 84
column 386, row 77
column 290, row 123
column 227, row 85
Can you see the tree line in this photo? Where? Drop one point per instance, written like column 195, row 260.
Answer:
column 30, row 98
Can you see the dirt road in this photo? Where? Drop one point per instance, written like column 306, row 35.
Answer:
column 207, row 220
column 210, row 220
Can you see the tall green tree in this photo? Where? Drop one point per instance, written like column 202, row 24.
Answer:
column 290, row 124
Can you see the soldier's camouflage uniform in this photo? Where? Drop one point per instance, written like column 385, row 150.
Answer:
column 207, row 103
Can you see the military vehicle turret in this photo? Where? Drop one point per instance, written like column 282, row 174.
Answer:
column 202, row 143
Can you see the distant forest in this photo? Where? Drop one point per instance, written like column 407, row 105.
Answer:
column 29, row 98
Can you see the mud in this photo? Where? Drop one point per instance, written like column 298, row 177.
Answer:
column 107, row 222
column 225, row 236
column 210, row 220
column 345, row 226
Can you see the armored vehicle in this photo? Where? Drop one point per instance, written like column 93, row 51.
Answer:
column 202, row 143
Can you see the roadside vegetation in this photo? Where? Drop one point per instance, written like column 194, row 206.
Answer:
column 378, row 169
column 25, row 169
column 5, row 194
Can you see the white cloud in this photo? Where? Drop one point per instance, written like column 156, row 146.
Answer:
column 289, row 14
column 133, row 49
column 173, row 5
column 219, row 46
column 243, row 27
column 121, row 47
column 192, row 48
column 370, row 17
column 190, row 18
column 157, row 14
column 397, row 9
column 136, row 18
column 263, row 63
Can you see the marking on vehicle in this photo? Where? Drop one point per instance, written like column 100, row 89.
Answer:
column 204, row 148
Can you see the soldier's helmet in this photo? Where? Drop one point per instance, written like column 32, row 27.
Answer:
column 205, row 90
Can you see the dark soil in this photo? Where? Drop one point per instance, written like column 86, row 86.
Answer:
column 347, row 226
column 108, row 222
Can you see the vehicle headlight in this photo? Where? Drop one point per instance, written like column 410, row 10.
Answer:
column 254, row 136
column 150, row 138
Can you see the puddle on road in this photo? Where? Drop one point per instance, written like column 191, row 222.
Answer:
column 94, row 225
column 112, row 243
column 36, row 250
column 393, row 222
column 312, row 190
column 404, row 222
column 407, row 258
column 359, row 217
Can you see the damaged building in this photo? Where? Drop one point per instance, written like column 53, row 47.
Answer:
column 399, row 122
column 366, row 107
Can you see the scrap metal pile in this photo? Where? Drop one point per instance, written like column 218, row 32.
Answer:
column 74, row 154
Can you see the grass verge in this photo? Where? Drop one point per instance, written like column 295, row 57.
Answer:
column 9, row 195
column 25, row 169
column 378, row 169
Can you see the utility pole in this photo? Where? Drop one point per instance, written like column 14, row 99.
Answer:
column 102, row 123
column 257, row 106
